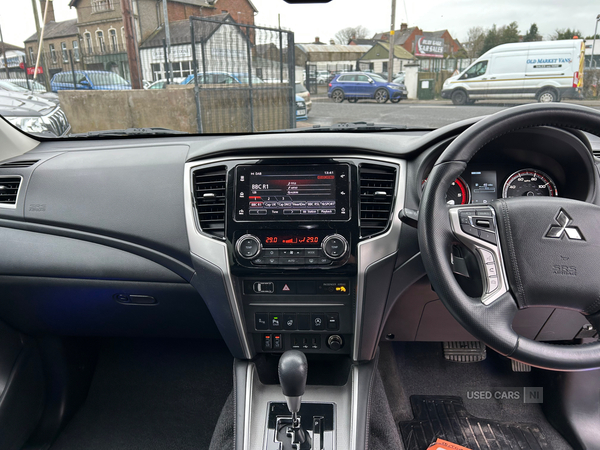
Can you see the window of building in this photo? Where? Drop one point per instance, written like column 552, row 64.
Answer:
column 53, row 53
column 99, row 6
column 65, row 53
column 76, row 50
column 88, row 42
column 114, row 43
column 157, row 72
column 123, row 37
column 100, row 39
column 31, row 56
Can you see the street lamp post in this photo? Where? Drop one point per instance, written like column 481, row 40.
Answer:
column 592, row 61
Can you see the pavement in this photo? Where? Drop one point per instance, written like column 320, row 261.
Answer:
column 412, row 113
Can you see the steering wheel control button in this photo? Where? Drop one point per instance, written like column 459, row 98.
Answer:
column 261, row 321
column 486, row 256
column 492, row 284
column 318, row 321
column 491, row 270
column 483, row 223
column 248, row 246
column 275, row 321
column 335, row 246
column 263, row 287
column 488, row 236
column 470, row 230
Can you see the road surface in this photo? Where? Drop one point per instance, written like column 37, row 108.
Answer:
column 411, row 114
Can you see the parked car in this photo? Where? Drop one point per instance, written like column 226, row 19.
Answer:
column 12, row 87
column 162, row 84
column 302, row 92
column 30, row 85
column 223, row 78
column 301, row 110
column 95, row 80
column 399, row 78
column 33, row 114
column 356, row 85
column 547, row 71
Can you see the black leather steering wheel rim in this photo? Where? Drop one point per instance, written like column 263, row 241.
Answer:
column 492, row 323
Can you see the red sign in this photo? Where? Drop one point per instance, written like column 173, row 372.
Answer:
column 22, row 65
column 31, row 70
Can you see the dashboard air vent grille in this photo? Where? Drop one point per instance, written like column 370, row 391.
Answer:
column 377, row 187
column 9, row 187
column 210, row 193
column 19, row 164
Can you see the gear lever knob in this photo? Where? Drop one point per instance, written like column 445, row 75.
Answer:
column 293, row 370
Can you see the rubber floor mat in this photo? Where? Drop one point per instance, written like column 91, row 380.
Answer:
column 446, row 417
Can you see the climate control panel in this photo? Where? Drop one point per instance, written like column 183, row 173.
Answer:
column 268, row 250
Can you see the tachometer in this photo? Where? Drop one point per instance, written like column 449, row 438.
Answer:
column 458, row 192
column 529, row 183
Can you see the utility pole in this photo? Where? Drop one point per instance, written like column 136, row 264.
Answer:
column 4, row 54
column 42, row 59
column 168, row 39
column 132, row 45
column 391, row 52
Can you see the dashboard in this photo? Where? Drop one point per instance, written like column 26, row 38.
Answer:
column 269, row 241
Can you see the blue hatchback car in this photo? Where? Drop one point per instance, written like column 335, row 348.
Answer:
column 91, row 80
column 355, row 85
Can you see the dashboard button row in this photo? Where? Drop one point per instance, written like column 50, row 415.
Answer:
column 291, row 261
column 299, row 321
column 275, row 252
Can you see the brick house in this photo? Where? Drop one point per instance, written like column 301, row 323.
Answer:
column 59, row 38
column 406, row 37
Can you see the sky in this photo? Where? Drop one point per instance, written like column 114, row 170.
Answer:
column 324, row 20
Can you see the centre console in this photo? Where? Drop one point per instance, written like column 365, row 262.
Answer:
column 293, row 238
column 294, row 234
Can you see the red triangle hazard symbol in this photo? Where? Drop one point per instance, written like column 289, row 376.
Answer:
column 286, row 288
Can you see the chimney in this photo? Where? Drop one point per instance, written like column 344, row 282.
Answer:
column 403, row 26
column 317, row 41
column 50, row 16
column 331, row 41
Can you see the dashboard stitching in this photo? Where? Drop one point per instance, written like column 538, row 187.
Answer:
column 511, row 248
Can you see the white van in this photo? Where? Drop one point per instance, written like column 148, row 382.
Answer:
column 547, row 71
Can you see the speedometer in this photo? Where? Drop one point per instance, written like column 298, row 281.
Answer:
column 529, row 183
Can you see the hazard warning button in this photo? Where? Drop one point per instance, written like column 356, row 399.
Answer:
column 285, row 287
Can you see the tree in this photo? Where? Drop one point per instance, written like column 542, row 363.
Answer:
column 533, row 34
column 565, row 34
column 510, row 33
column 474, row 43
column 503, row 35
column 343, row 36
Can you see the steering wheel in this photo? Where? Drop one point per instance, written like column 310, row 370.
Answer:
column 532, row 251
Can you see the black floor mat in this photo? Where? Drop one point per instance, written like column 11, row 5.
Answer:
column 445, row 417
column 152, row 394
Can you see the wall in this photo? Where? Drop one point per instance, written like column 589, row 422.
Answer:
column 224, row 110
column 109, row 110
column 180, row 11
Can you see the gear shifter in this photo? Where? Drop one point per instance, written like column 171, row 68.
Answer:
column 293, row 369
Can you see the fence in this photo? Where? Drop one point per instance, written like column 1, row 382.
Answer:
column 95, row 68
column 244, row 76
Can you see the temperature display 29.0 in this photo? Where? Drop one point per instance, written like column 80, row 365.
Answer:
column 291, row 240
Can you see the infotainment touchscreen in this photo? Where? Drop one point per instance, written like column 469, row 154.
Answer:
column 292, row 193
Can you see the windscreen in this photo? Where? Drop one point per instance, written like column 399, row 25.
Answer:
column 235, row 66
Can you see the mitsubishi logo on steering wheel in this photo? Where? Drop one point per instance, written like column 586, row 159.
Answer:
column 557, row 231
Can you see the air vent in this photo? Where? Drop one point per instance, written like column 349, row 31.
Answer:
column 9, row 188
column 209, row 190
column 377, row 186
column 18, row 164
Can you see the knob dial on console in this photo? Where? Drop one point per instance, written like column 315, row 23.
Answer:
column 248, row 246
column 335, row 246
